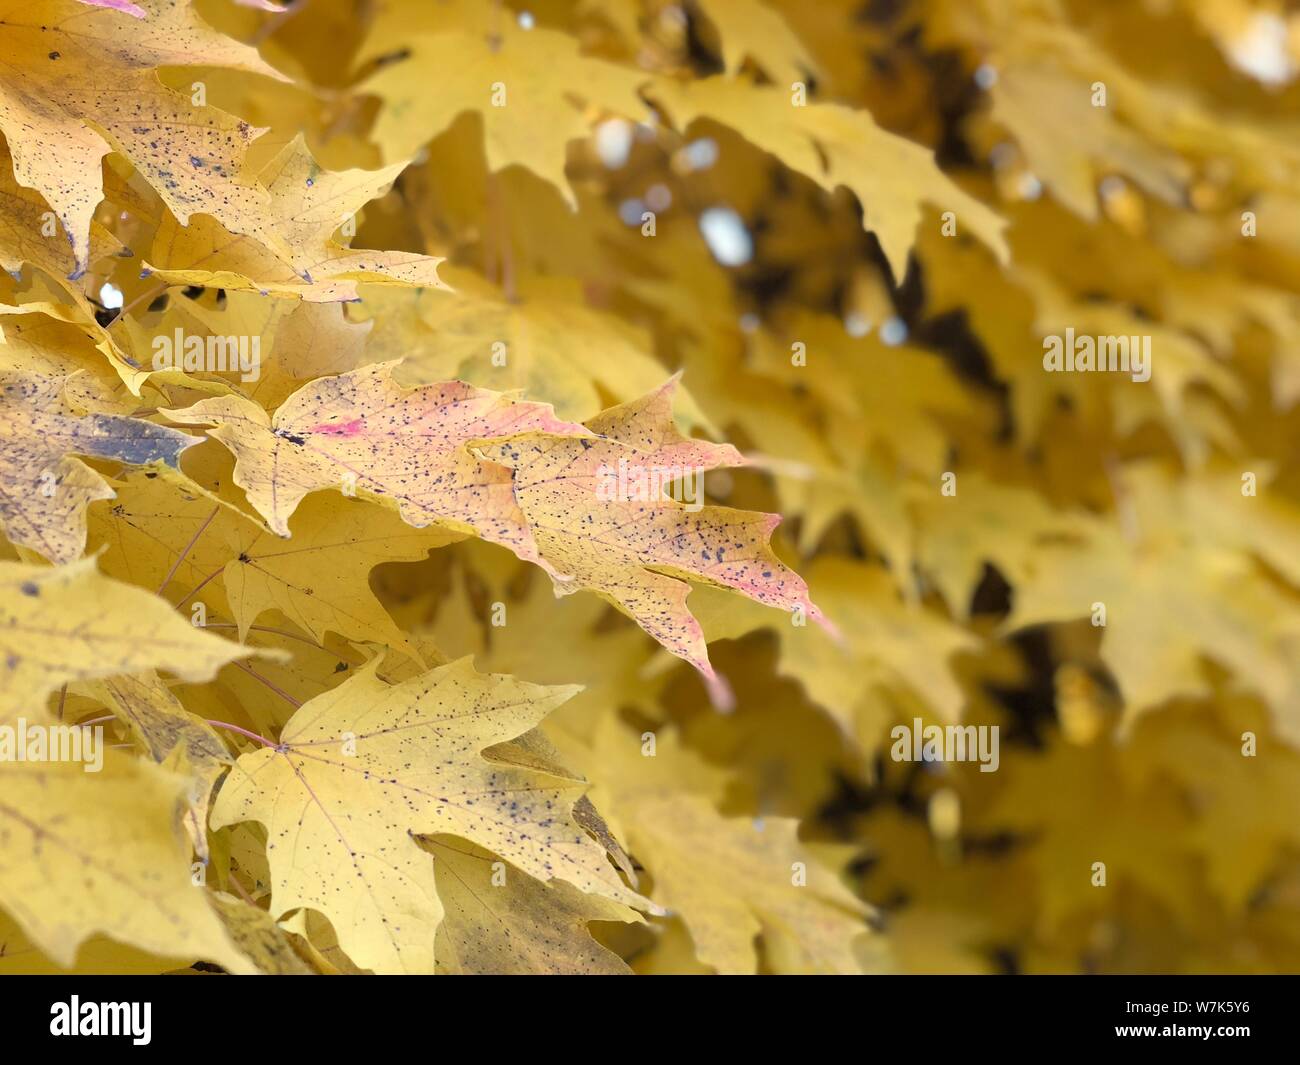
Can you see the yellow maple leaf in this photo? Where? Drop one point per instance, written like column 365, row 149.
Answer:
column 28, row 233
column 730, row 879
column 545, row 341
column 306, row 206
column 79, row 81
column 173, row 737
column 544, row 925
column 73, row 623
column 888, row 645
column 509, row 76
column 751, row 29
column 100, row 852
column 414, row 750
column 836, row 145
column 44, row 492
column 167, row 527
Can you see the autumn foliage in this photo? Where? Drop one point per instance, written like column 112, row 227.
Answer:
column 736, row 486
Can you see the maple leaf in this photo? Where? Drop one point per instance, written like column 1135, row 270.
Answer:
column 43, row 491
column 547, row 933
column 635, row 551
column 890, row 175
column 100, row 852
column 168, row 528
column 546, row 923
column 173, row 737
column 73, row 623
column 1151, row 598
column 730, row 879
column 551, row 346
column 41, row 302
column 320, row 580
column 696, row 854
column 509, row 77
column 79, row 82
column 307, row 205
column 752, row 29
column 365, row 431
column 37, row 345
column 24, row 229
column 360, row 769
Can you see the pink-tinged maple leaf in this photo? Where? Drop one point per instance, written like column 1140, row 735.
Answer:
column 363, row 432
column 600, row 516
column 125, row 6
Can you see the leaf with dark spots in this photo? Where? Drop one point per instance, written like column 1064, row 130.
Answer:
column 601, row 517
column 77, row 83
column 80, row 625
column 44, row 491
column 287, row 244
column 363, row 431
column 361, row 770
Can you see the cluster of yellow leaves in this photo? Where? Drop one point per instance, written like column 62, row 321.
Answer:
column 319, row 537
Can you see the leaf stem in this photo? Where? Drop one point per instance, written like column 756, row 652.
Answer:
column 198, row 587
column 270, row 684
column 243, row 894
column 242, row 731
column 264, row 628
column 188, row 547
